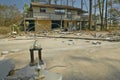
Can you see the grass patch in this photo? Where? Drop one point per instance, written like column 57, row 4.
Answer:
column 4, row 30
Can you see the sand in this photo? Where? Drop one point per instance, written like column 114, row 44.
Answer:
column 75, row 59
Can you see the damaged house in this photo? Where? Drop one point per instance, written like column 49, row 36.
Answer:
column 45, row 17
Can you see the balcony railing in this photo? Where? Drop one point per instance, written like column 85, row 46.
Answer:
column 53, row 16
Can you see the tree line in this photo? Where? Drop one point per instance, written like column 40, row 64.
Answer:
column 9, row 15
column 108, row 13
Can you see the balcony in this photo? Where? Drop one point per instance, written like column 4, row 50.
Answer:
column 53, row 16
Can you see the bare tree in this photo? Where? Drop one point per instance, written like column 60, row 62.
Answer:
column 72, row 2
column 49, row 1
column 55, row 1
column 81, row 4
column 95, row 10
column 106, row 14
column 90, row 14
column 101, row 10
column 67, row 3
column 9, row 15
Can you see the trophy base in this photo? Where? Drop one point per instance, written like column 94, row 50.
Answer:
column 40, row 77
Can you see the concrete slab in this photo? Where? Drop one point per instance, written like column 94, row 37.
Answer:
column 29, row 73
column 5, row 67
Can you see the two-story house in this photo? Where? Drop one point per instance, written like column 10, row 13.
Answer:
column 51, row 16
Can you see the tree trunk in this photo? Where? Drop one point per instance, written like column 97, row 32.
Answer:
column 106, row 13
column 67, row 3
column 49, row 1
column 111, row 15
column 73, row 1
column 90, row 14
column 95, row 17
column 101, row 10
column 60, row 2
column 81, row 4
column 102, row 16
column 55, row 1
column 99, row 4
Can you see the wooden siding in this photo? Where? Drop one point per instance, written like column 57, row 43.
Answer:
column 42, row 25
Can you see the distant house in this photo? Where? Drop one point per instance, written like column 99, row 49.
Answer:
column 51, row 16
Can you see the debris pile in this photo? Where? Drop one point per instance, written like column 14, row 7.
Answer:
column 113, row 36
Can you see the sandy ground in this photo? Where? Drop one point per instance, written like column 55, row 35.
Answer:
column 74, row 59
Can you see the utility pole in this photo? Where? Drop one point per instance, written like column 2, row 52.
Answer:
column 90, row 14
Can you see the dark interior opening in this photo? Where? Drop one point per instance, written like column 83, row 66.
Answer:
column 31, row 26
column 57, row 24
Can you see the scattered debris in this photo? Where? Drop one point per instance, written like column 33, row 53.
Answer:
column 78, row 34
column 87, row 41
column 14, row 33
column 96, row 42
column 14, row 50
column 4, row 52
column 70, row 40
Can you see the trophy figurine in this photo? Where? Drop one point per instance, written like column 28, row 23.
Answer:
column 38, row 70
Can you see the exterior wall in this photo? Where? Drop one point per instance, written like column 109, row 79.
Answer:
column 42, row 25
column 65, row 24
column 50, row 14
column 74, row 12
column 36, row 9
column 50, row 10
column 75, row 15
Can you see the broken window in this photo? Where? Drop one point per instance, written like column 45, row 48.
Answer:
column 57, row 11
column 42, row 9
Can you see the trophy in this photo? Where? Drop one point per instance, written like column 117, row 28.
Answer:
column 38, row 71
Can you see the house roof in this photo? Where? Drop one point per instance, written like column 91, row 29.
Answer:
column 56, row 6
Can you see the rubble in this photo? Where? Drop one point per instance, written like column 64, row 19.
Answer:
column 4, row 52
column 11, row 51
column 96, row 42
column 14, row 50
